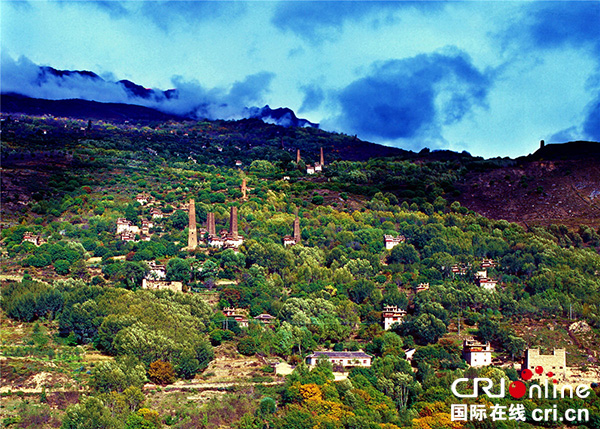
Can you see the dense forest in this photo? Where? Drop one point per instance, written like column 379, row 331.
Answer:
column 72, row 287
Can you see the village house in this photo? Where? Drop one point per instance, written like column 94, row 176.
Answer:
column 476, row 353
column 482, row 279
column 32, row 238
column 265, row 318
column 488, row 263
column 127, row 236
column 146, row 225
column 310, row 169
column 157, row 213
column 422, row 287
column 553, row 365
column 345, row 359
column 459, row 269
column 144, row 198
column 486, row 283
column 161, row 284
column 391, row 241
column 157, row 271
column 318, row 167
column 232, row 313
column 391, row 314
column 123, row 225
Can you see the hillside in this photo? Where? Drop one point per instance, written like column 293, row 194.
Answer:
column 285, row 264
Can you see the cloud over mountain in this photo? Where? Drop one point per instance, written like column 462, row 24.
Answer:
column 189, row 98
column 403, row 99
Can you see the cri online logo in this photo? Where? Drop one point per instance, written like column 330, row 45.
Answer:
column 517, row 389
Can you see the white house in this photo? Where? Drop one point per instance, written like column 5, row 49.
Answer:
column 344, row 359
column 391, row 314
column 391, row 241
column 476, row 353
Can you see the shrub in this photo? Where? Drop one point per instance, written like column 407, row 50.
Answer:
column 161, row 372
column 247, row 346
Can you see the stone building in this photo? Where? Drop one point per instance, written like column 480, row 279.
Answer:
column 161, row 284
column 391, row 241
column 33, row 238
column 476, row 353
column 344, row 359
column 555, row 363
column 391, row 314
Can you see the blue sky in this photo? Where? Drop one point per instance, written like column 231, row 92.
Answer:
column 492, row 78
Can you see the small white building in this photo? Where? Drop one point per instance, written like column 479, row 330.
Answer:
column 391, row 241
column 157, row 271
column 232, row 313
column 476, row 353
column 310, row 169
column 157, row 213
column 422, row 287
column 288, row 240
column 344, row 359
column 390, row 315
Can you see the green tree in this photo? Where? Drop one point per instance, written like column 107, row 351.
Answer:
column 89, row 413
column 178, row 270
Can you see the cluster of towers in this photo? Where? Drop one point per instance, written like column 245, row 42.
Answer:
column 225, row 238
column 310, row 169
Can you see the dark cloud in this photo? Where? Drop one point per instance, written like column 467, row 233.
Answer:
column 113, row 8
column 169, row 14
column 591, row 124
column 251, row 89
column 403, row 99
column 318, row 21
column 313, row 97
column 554, row 24
column 188, row 97
column 23, row 5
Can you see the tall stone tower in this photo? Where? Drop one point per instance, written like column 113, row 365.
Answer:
column 233, row 222
column 244, row 189
column 297, row 237
column 210, row 224
column 322, row 158
column 192, row 231
column 297, row 156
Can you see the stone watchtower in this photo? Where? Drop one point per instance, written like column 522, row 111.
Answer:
column 297, row 237
column 244, row 189
column 192, row 231
column 210, row 224
column 233, row 222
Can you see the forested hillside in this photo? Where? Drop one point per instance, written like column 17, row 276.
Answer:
column 112, row 354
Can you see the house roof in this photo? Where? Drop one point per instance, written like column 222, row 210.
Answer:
column 345, row 355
